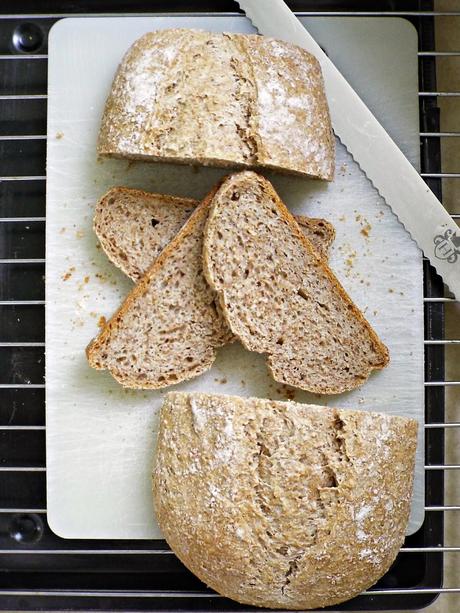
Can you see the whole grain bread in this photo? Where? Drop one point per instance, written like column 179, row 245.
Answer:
column 168, row 328
column 195, row 97
column 278, row 297
column 133, row 227
column 281, row 504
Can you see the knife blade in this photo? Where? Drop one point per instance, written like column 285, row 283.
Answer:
column 388, row 169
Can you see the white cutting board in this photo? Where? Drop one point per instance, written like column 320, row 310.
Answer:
column 100, row 438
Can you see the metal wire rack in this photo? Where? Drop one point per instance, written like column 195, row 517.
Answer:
column 38, row 570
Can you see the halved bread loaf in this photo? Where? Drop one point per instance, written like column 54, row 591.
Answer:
column 279, row 297
column 168, row 328
column 133, row 227
column 195, row 97
column 281, row 504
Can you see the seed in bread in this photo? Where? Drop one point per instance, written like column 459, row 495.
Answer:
column 133, row 227
column 279, row 298
column 168, row 328
column 281, row 504
column 195, row 97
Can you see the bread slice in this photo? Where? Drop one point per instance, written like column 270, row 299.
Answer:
column 245, row 101
column 168, row 328
column 133, row 227
column 279, row 297
column 282, row 504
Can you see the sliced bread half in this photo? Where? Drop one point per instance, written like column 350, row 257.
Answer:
column 232, row 100
column 134, row 226
column 278, row 297
column 168, row 328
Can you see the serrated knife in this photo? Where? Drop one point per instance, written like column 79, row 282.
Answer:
column 391, row 173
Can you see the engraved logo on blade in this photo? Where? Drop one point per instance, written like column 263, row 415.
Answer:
column 447, row 246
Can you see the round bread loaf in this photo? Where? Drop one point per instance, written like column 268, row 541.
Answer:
column 236, row 100
column 280, row 504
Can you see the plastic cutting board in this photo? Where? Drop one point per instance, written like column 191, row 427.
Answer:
column 100, row 438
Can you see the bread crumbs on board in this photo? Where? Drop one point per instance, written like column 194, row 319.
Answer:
column 102, row 321
column 59, row 135
column 102, row 277
column 365, row 230
column 66, row 276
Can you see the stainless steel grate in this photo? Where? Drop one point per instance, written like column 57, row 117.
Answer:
column 38, row 569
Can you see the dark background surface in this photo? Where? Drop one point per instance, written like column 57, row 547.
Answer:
column 38, row 570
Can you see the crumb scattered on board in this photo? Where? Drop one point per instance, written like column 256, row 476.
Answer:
column 66, row 276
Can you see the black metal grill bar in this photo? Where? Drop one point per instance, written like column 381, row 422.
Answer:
column 428, row 426
column 439, row 94
column 22, row 302
column 22, row 386
column 23, row 137
column 235, row 13
column 454, row 341
column 205, row 595
column 43, row 136
column 168, row 552
column 15, row 510
column 22, row 260
column 30, row 469
column 23, row 97
column 25, row 178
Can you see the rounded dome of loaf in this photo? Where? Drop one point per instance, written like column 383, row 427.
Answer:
column 280, row 504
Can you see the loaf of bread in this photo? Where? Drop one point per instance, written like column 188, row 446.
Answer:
column 194, row 97
column 281, row 504
column 133, row 227
column 168, row 328
column 278, row 297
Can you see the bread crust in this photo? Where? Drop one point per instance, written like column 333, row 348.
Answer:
column 217, row 333
column 280, row 504
column 111, row 233
column 194, row 97
column 212, row 266
column 122, row 224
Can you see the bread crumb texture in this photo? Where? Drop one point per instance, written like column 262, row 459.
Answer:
column 134, row 226
column 281, row 504
column 279, row 297
column 222, row 100
column 168, row 328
